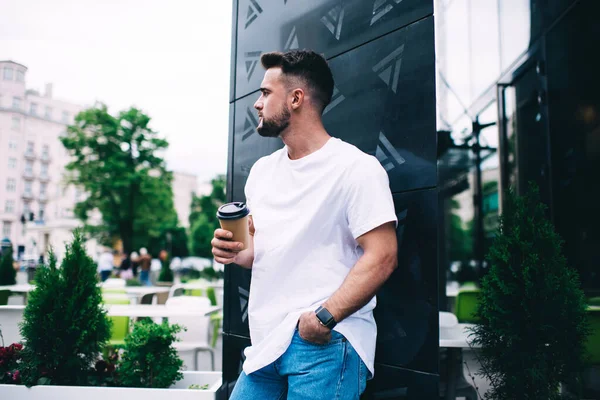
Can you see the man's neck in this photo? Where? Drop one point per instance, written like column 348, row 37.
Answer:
column 304, row 139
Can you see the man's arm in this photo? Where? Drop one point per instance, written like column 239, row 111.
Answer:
column 226, row 252
column 372, row 269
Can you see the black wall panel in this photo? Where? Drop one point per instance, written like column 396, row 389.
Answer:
column 382, row 56
column 330, row 27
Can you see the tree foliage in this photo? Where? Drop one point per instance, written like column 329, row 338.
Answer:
column 64, row 327
column 118, row 163
column 203, row 218
column 532, row 310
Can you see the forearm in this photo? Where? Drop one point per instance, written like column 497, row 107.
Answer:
column 360, row 286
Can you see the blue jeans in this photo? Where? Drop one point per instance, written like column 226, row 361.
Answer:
column 145, row 278
column 307, row 371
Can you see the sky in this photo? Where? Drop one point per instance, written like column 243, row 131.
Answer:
column 169, row 58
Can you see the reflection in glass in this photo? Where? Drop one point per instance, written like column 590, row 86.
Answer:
column 515, row 29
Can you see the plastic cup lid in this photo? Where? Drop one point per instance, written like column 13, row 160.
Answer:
column 233, row 210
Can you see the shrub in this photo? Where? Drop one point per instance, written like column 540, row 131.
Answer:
column 8, row 274
column 149, row 359
column 532, row 311
column 64, row 326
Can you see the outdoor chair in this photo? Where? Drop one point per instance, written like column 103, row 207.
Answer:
column 120, row 325
column 195, row 338
column 466, row 304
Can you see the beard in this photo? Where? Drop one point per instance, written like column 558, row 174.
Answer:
column 274, row 126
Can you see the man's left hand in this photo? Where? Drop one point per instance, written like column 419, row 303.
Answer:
column 311, row 330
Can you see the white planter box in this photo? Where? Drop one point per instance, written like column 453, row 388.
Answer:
column 178, row 391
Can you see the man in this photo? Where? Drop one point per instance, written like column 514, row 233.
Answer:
column 322, row 243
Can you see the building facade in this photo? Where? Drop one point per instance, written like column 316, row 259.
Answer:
column 518, row 91
column 32, row 160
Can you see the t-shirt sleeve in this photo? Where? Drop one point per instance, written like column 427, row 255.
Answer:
column 369, row 201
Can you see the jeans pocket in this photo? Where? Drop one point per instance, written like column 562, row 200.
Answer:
column 336, row 338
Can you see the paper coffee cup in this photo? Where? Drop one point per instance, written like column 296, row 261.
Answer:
column 233, row 217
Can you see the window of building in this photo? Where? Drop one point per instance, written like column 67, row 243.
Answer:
column 45, row 150
column 65, row 117
column 44, row 169
column 29, row 166
column 28, row 187
column 30, row 147
column 12, row 144
column 43, row 188
column 9, row 206
column 20, row 76
column 16, row 123
column 41, row 214
column 26, row 209
column 48, row 113
column 12, row 163
column 17, row 103
column 8, row 74
column 11, row 185
column 6, row 228
column 33, row 108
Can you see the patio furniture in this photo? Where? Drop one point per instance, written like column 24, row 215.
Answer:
column 120, row 325
column 453, row 338
column 195, row 338
column 114, row 282
column 10, row 318
column 467, row 299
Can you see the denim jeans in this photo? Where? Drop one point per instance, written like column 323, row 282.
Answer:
column 145, row 278
column 307, row 371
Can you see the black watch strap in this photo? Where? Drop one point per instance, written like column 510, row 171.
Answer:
column 325, row 317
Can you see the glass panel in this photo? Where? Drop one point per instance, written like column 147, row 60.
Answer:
column 485, row 46
column 515, row 29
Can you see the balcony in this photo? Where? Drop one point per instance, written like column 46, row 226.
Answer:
column 43, row 198
column 44, row 177
column 27, row 196
column 30, row 155
column 45, row 157
column 28, row 175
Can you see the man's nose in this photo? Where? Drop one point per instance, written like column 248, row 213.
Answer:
column 258, row 105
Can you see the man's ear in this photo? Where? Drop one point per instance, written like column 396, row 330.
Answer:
column 297, row 98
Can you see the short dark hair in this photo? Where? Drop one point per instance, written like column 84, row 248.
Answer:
column 307, row 65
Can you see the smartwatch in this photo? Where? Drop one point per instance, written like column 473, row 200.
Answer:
column 325, row 317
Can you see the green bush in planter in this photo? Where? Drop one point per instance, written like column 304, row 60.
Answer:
column 8, row 274
column 149, row 359
column 64, row 327
column 532, row 311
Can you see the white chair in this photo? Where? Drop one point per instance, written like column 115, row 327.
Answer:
column 114, row 283
column 195, row 338
column 10, row 318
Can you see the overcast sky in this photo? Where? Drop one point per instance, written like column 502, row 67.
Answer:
column 169, row 58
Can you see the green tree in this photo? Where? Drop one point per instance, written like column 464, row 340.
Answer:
column 64, row 326
column 118, row 162
column 532, row 311
column 8, row 275
column 203, row 218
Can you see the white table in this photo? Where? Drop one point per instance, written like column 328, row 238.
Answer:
column 157, row 311
column 455, row 339
column 21, row 288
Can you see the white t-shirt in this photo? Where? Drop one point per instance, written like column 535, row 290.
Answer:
column 105, row 262
column 307, row 214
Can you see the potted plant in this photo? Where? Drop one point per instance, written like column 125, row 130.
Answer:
column 65, row 327
column 531, row 309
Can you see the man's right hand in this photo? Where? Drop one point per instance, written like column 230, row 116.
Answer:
column 224, row 250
